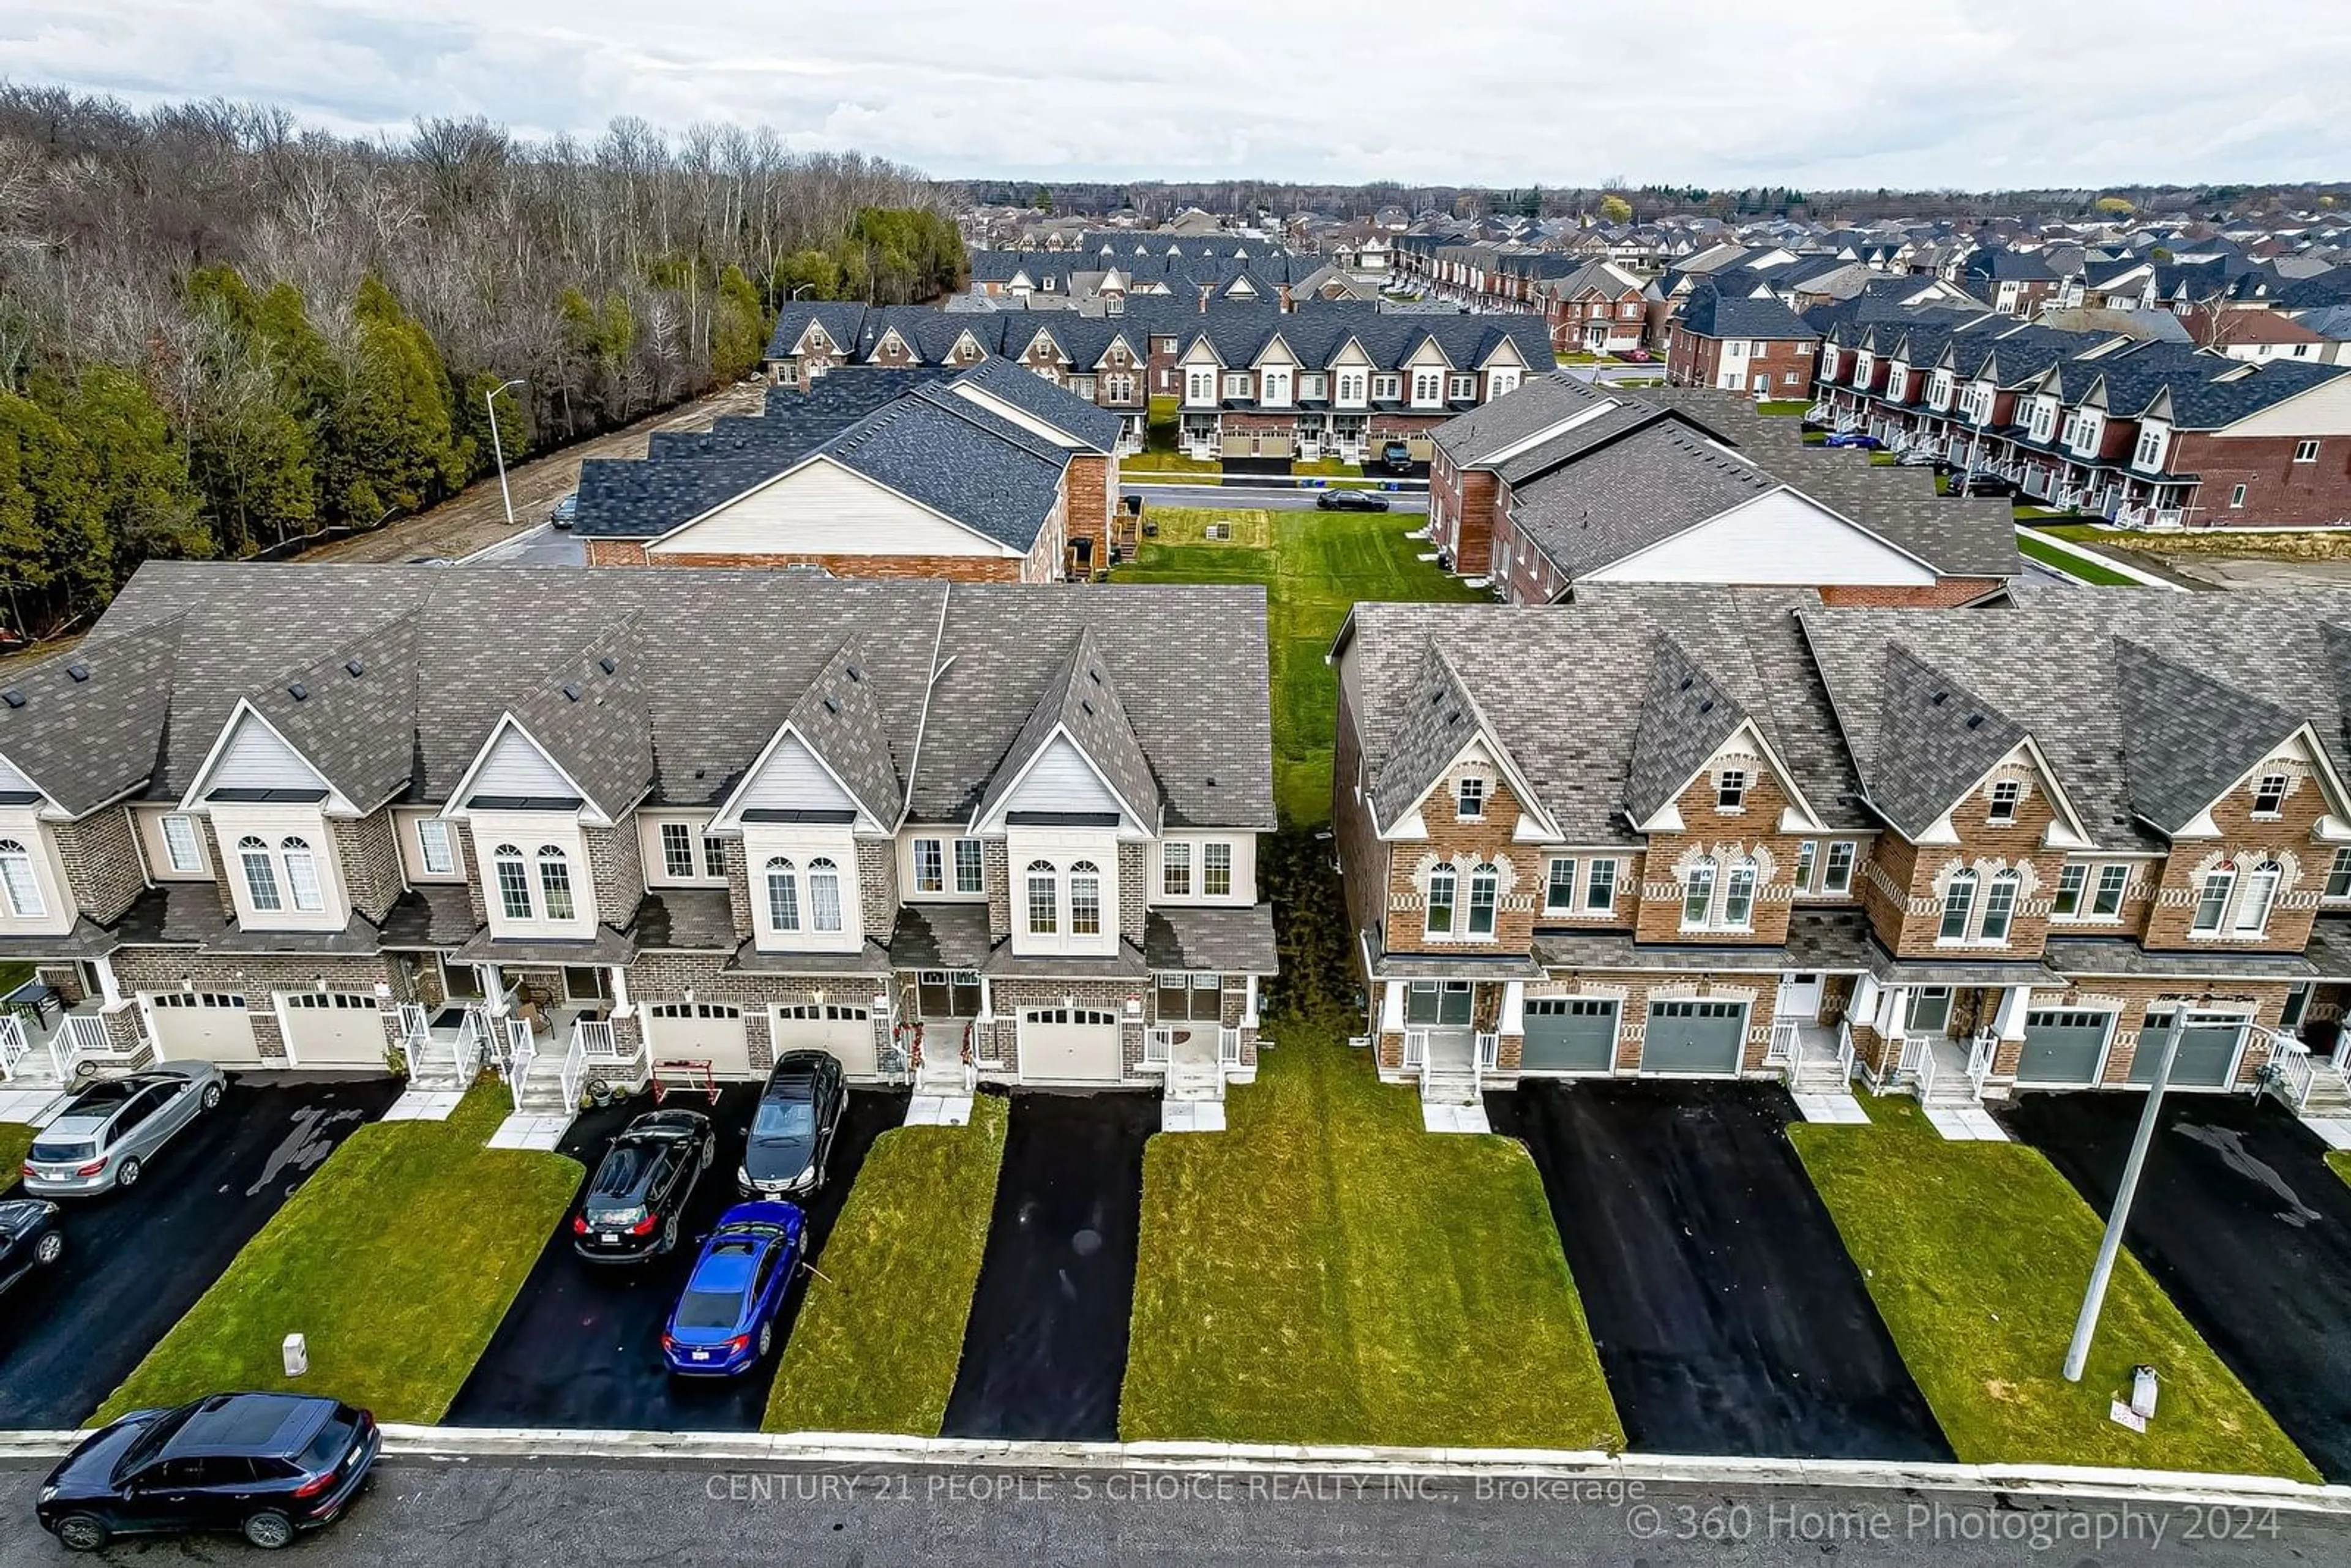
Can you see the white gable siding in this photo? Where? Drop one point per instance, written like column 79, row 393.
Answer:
column 823, row 508
column 1013, row 414
column 2323, row 409
column 794, row 781
column 1779, row 537
column 516, row 767
column 14, row 782
column 1061, row 781
column 256, row 758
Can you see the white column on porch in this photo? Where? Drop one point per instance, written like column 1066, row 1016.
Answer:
column 2014, row 1002
column 1392, row 1006
column 109, row 990
column 1514, row 1008
column 1893, row 1011
column 492, row 993
column 987, row 1001
column 1863, row 1008
column 621, row 1008
column 1249, row 1002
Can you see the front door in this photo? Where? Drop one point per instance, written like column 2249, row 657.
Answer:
column 1800, row 998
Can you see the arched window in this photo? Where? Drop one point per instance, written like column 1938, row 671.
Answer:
column 1485, row 887
column 17, row 880
column 1738, row 896
column 260, row 875
column 1697, row 895
column 1442, row 886
column 2253, row 903
column 1959, row 907
column 1044, row 915
column 1085, row 899
column 555, row 882
column 783, row 896
column 514, row 882
column 302, row 876
column 2000, row 907
column 824, row 896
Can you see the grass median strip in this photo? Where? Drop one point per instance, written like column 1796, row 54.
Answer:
column 1326, row 1272
column 2339, row 1162
column 881, row 1334
column 1976, row 1254
column 15, row 1142
column 2071, row 562
column 396, row 1258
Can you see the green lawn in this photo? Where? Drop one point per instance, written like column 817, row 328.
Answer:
column 13, row 975
column 397, row 1259
column 1977, row 1255
column 15, row 1138
column 1325, row 1271
column 1784, row 405
column 1317, row 566
column 881, row 1334
column 2072, row 563
column 1327, row 468
column 2339, row 1162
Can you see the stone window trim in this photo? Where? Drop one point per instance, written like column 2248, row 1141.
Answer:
column 2232, row 898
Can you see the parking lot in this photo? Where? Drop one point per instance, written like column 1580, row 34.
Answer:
column 1045, row 1352
column 581, row 1344
column 1729, row 1317
column 136, row 1261
column 2243, row 1224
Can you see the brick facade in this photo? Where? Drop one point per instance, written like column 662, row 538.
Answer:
column 369, row 853
column 100, row 853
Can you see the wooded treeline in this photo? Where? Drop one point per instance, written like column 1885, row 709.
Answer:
column 221, row 331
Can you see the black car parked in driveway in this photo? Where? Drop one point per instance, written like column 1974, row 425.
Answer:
column 793, row 1131
column 633, row 1205
column 1351, row 501
column 1395, row 457
column 29, row 1239
column 264, row 1464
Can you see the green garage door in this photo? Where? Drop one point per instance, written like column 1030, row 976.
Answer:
column 1694, row 1037
column 2062, row 1045
column 1568, row 1034
column 2208, row 1049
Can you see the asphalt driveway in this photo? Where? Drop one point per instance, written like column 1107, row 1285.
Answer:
column 1729, row 1317
column 581, row 1346
column 1045, row 1351
column 2242, row 1223
column 136, row 1261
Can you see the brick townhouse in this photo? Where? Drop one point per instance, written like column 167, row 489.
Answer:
column 1737, row 343
column 1600, row 307
column 640, row 822
column 1563, row 483
column 983, row 473
column 2146, row 432
column 1712, row 832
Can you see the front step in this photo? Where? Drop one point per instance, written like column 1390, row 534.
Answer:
column 1192, row 1086
column 1444, row 1088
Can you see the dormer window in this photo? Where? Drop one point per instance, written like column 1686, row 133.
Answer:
column 1731, row 789
column 260, row 875
column 2004, row 798
column 1044, row 902
column 436, row 848
column 1469, row 799
column 2269, row 795
column 555, row 882
column 514, row 882
column 181, row 845
column 783, row 894
column 302, row 876
column 22, row 888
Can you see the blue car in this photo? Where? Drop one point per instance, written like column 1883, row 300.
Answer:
column 724, row 1322
column 1854, row 438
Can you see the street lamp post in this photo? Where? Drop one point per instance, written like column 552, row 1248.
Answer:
column 498, row 447
column 2085, row 1327
column 798, row 292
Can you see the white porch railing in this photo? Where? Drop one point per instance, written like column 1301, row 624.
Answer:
column 1228, row 1054
column 1158, row 1046
column 1980, row 1056
column 2296, row 1070
column 81, row 1037
column 520, row 1054
column 1846, row 1062
column 575, row 1067
column 13, row 1045
column 473, row 1034
column 596, row 1037
column 1781, row 1052
column 1415, row 1048
column 1489, row 1051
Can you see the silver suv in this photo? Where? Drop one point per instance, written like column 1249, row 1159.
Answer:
column 106, row 1134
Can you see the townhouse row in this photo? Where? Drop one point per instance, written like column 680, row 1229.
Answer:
column 1728, row 832
column 2147, row 433
column 294, row 816
column 1318, row 380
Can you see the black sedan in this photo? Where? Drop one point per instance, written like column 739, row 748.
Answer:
column 29, row 1239
column 635, row 1199
column 793, row 1131
column 262, row 1465
column 1351, row 501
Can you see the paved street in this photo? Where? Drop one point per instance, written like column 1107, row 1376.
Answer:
column 494, row 1513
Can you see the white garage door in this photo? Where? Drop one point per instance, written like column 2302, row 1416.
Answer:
column 333, row 1029
column 206, row 1026
column 1068, row 1045
column 847, row 1033
column 700, row 1031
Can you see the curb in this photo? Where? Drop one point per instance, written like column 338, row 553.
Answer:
column 2095, row 557
column 839, row 1449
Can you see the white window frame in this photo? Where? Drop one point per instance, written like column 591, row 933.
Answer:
column 302, row 861
column 1552, row 881
column 428, row 831
column 20, row 881
column 2001, row 801
column 1957, row 910
column 184, row 851
column 1470, row 797
column 1837, row 881
column 705, row 857
column 2273, row 784
column 2336, row 888
column 2306, row 450
column 2216, row 891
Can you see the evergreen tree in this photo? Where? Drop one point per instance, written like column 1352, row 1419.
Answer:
column 738, row 328
column 151, row 502
column 53, row 534
column 391, row 445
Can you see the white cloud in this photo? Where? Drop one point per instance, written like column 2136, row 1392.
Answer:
column 1938, row 92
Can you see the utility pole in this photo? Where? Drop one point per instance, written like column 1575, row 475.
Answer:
column 2085, row 1327
column 498, row 447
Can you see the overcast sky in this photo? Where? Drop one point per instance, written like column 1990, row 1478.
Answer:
column 1969, row 93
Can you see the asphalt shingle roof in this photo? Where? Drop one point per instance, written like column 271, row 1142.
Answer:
column 90, row 738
